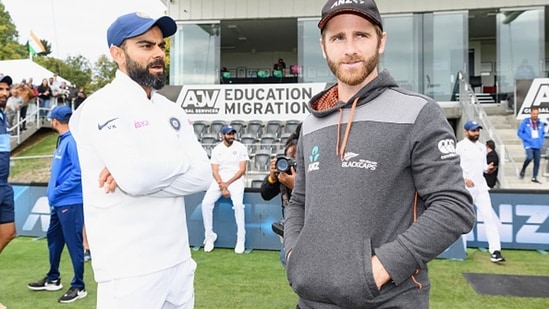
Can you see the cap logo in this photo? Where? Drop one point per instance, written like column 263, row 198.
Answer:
column 142, row 15
column 341, row 2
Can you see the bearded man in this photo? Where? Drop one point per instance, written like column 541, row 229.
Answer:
column 139, row 158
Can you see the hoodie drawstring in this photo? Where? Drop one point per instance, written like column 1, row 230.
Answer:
column 340, row 151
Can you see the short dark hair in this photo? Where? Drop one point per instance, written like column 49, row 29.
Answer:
column 490, row 144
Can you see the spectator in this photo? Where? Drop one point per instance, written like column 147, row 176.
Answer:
column 27, row 94
column 279, row 68
column 140, row 157
column 473, row 162
column 378, row 190
column 13, row 105
column 80, row 97
column 44, row 93
column 532, row 133
column 491, row 158
column 67, row 215
column 229, row 160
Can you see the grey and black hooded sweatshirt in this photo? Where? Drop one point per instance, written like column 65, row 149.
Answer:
column 359, row 166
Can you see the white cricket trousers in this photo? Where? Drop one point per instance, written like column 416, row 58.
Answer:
column 171, row 288
column 481, row 199
column 237, row 197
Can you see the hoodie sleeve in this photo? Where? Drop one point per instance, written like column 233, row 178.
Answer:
column 445, row 206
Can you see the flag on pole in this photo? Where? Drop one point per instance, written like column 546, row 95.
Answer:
column 35, row 46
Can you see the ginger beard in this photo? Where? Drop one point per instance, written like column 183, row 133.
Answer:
column 353, row 77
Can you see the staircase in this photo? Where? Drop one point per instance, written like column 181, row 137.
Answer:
column 505, row 124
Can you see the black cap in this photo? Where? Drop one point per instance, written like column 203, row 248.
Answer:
column 365, row 8
column 6, row 79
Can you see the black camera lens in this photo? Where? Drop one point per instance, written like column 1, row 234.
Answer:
column 282, row 164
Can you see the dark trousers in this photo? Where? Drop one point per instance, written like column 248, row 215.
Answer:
column 66, row 224
column 23, row 115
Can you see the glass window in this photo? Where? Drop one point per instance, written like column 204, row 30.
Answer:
column 313, row 65
column 445, row 52
column 402, row 50
column 195, row 54
column 521, row 50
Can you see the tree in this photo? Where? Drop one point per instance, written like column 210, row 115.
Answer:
column 46, row 45
column 9, row 46
column 103, row 73
column 77, row 69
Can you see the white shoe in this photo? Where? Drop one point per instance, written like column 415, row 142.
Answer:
column 209, row 243
column 239, row 248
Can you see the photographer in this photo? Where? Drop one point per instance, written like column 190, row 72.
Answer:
column 281, row 180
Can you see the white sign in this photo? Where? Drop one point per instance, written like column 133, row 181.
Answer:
column 248, row 102
column 537, row 96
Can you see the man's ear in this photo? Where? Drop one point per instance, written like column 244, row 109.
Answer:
column 117, row 55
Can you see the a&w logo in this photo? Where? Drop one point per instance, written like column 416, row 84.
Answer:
column 447, row 147
column 39, row 215
column 201, row 101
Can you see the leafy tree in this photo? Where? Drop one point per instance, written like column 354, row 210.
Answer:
column 103, row 73
column 77, row 69
column 9, row 46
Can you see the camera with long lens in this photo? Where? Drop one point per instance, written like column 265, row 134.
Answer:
column 284, row 164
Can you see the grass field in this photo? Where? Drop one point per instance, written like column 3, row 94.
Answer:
column 257, row 280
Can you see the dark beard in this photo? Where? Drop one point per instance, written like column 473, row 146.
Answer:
column 473, row 138
column 228, row 140
column 142, row 76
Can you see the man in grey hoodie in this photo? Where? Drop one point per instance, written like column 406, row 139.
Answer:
column 379, row 189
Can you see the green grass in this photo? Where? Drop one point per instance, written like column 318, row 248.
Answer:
column 41, row 143
column 257, row 280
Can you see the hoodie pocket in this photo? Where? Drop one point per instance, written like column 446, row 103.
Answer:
column 339, row 274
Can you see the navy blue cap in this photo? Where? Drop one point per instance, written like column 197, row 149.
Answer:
column 62, row 113
column 135, row 24
column 227, row 130
column 6, row 79
column 472, row 125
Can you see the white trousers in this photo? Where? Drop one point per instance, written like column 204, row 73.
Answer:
column 237, row 197
column 171, row 288
column 481, row 199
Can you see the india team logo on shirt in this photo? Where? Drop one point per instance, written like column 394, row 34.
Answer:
column 175, row 123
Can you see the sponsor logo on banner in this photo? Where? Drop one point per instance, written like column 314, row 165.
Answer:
column 247, row 102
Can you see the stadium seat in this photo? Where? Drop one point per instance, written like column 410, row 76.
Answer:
column 216, row 125
column 249, row 140
column 274, row 127
column 239, row 126
column 200, row 127
column 268, row 142
column 255, row 127
column 209, row 139
column 291, row 126
column 256, row 183
column 262, row 160
column 284, row 138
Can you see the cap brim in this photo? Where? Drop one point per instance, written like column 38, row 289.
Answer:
column 6, row 79
column 166, row 24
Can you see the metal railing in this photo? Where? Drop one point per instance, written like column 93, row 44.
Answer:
column 473, row 110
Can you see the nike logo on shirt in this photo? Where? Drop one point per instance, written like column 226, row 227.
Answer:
column 101, row 126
